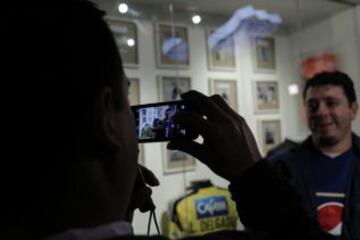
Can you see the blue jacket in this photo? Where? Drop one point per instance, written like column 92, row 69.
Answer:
column 298, row 161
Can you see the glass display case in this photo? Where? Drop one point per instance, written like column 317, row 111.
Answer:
column 255, row 54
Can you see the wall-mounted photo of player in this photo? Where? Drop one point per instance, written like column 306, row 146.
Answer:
column 269, row 134
column 266, row 96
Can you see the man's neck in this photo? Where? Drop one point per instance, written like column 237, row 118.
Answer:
column 336, row 149
column 90, row 199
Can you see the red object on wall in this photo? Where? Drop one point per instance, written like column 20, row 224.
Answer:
column 312, row 65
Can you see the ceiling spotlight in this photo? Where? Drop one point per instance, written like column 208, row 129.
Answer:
column 130, row 42
column 123, row 8
column 293, row 89
column 196, row 19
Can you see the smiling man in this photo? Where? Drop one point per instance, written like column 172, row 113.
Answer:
column 326, row 167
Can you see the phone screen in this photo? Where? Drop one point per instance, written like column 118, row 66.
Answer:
column 155, row 122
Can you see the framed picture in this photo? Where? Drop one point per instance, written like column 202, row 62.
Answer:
column 269, row 134
column 125, row 34
column 172, row 46
column 222, row 56
column 134, row 99
column 264, row 54
column 227, row 89
column 314, row 63
column 134, row 91
column 266, row 96
column 170, row 88
column 177, row 161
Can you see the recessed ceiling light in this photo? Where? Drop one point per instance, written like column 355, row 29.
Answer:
column 123, row 8
column 196, row 19
column 130, row 42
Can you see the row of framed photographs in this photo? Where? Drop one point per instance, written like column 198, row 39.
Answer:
column 170, row 88
column 265, row 92
column 173, row 50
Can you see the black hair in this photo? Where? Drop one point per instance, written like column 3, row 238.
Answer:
column 336, row 78
column 60, row 55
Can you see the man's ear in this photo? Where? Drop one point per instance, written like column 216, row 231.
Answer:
column 354, row 109
column 108, row 119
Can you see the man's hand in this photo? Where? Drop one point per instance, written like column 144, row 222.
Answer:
column 229, row 147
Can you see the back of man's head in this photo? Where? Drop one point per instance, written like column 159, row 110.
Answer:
column 336, row 78
column 57, row 55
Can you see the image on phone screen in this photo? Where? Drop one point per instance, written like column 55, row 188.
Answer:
column 155, row 122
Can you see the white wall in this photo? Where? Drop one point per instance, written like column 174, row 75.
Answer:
column 357, row 13
column 345, row 38
column 357, row 34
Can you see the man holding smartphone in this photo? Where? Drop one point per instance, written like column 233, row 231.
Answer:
column 71, row 149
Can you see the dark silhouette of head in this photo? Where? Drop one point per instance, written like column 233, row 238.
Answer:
column 66, row 117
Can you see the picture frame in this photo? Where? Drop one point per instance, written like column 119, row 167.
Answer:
column 266, row 96
column 222, row 56
column 227, row 89
column 134, row 91
column 126, row 37
column 176, row 161
column 325, row 60
column 134, row 99
column 269, row 131
column 264, row 54
column 171, row 87
column 172, row 46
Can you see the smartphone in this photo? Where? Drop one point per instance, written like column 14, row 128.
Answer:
column 155, row 122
